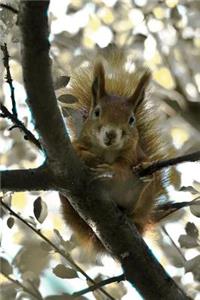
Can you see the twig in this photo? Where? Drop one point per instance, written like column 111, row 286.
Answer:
column 34, row 288
column 21, row 286
column 8, row 7
column 13, row 116
column 99, row 284
column 156, row 166
column 62, row 253
column 9, row 79
column 173, row 243
column 19, row 124
column 164, row 210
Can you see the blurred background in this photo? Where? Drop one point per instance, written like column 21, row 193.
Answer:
column 163, row 35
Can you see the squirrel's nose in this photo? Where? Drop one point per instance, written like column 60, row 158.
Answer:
column 110, row 136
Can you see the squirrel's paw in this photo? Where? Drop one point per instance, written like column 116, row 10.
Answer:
column 104, row 167
column 137, row 169
column 103, row 171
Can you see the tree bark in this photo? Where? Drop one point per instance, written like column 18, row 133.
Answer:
column 38, row 179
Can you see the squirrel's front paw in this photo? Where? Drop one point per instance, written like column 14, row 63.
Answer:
column 140, row 167
column 103, row 171
column 104, row 167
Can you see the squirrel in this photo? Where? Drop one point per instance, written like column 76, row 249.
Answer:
column 115, row 128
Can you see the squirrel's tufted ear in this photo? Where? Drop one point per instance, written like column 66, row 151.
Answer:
column 98, row 85
column 139, row 94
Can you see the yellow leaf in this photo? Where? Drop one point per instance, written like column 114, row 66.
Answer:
column 155, row 60
column 94, row 23
column 88, row 41
column 3, row 279
column 197, row 42
column 164, row 78
column 171, row 3
column 19, row 201
column 179, row 137
column 106, row 15
column 57, row 222
column 159, row 12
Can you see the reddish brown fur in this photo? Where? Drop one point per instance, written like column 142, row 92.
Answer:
column 131, row 194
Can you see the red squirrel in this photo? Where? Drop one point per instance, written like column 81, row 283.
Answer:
column 118, row 135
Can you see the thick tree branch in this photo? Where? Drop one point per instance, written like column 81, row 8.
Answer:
column 139, row 265
column 29, row 180
column 39, row 85
column 26, row 180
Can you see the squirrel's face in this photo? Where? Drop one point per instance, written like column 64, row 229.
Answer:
column 112, row 123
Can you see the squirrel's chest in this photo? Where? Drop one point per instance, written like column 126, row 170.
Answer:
column 109, row 157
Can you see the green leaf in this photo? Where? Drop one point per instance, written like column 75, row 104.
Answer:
column 40, row 209
column 192, row 230
column 61, row 82
column 67, row 98
column 187, row 241
column 10, row 222
column 193, row 265
column 190, row 189
column 195, row 209
column 63, row 272
column 5, row 267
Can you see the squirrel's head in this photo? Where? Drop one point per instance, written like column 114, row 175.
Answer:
column 112, row 121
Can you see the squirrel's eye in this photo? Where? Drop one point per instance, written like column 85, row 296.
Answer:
column 96, row 112
column 131, row 121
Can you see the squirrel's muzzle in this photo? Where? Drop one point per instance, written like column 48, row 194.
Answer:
column 110, row 137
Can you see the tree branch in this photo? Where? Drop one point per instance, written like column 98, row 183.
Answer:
column 5, row 112
column 156, row 166
column 19, row 284
column 174, row 244
column 39, row 85
column 19, row 124
column 8, row 7
column 165, row 209
column 139, row 265
column 9, row 77
column 98, row 285
column 27, row 180
column 40, row 179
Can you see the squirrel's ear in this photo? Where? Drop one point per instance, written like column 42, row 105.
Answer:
column 138, row 96
column 98, row 85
